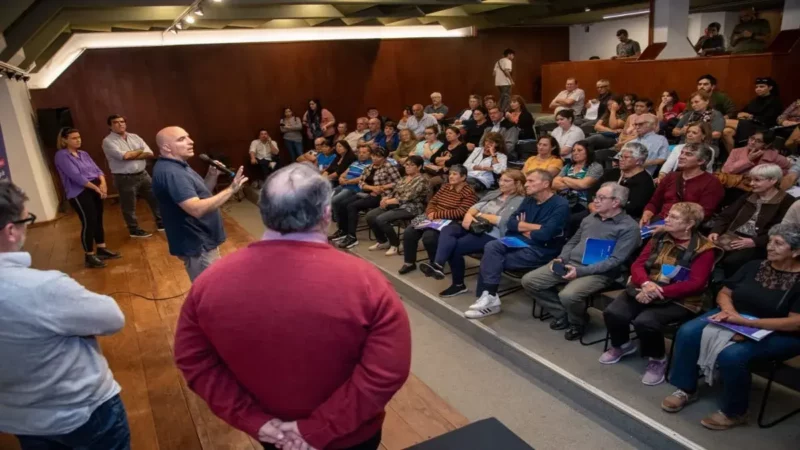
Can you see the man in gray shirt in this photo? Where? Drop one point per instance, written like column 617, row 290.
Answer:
column 127, row 154
column 57, row 390
column 584, row 273
column 418, row 121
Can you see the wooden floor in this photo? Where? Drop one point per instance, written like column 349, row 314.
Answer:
column 163, row 413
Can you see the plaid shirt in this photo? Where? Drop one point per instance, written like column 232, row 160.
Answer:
column 385, row 174
column 411, row 193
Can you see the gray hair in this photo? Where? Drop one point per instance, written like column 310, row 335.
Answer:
column 790, row 232
column 768, row 171
column 652, row 119
column 12, row 203
column 544, row 175
column 638, row 151
column 702, row 151
column 618, row 191
column 295, row 199
column 460, row 169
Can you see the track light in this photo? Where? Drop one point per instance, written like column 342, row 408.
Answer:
column 189, row 19
column 173, row 30
column 217, row 1
column 198, row 12
column 179, row 26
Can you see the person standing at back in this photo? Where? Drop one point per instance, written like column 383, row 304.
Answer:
column 191, row 211
column 127, row 154
column 325, row 354
column 57, row 390
column 502, row 78
column 627, row 47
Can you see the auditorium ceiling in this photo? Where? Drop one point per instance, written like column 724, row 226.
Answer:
column 34, row 30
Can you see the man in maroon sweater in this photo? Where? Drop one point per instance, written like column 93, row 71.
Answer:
column 690, row 183
column 292, row 341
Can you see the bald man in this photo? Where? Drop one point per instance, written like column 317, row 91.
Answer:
column 191, row 213
column 418, row 121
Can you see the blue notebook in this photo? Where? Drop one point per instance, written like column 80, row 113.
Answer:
column 597, row 250
column 648, row 230
column 513, row 242
column 673, row 274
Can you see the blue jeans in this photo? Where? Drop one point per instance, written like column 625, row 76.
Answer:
column 497, row 258
column 106, row 429
column 295, row 149
column 454, row 243
column 733, row 362
column 340, row 197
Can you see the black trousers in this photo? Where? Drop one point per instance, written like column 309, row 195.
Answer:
column 347, row 214
column 89, row 207
column 411, row 237
column 648, row 321
column 370, row 444
column 734, row 259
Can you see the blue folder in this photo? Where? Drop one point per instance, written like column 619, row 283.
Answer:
column 597, row 250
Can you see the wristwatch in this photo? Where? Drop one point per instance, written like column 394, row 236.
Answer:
column 478, row 215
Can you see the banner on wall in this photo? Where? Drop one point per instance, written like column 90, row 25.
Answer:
column 5, row 173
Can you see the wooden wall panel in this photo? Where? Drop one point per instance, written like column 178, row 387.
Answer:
column 222, row 94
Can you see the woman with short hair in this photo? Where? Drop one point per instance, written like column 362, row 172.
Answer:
column 767, row 291
column 486, row 162
column 566, row 133
column 474, row 128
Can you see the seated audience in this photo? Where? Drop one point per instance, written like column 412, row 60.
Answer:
column 341, row 132
column 629, row 100
column 519, row 115
column 547, row 157
column 627, row 47
column 641, row 107
column 377, row 180
column 653, row 300
column 407, row 146
column 474, row 128
column 691, row 183
column 632, row 175
column 454, row 152
column 741, row 229
column 450, row 203
column 596, row 107
column 466, row 114
column 484, row 163
column 609, row 126
column 489, row 102
column 750, row 34
column 696, row 133
column 292, row 130
column 428, row 146
column 567, row 133
column 263, row 151
column 349, row 182
column 719, row 101
column 657, row 145
column 484, row 222
column 758, row 289
column 757, row 152
column 792, row 216
column 790, row 179
column 373, row 113
column 581, row 280
column 539, row 224
column 418, row 121
column 318, row 121
column 711, row 42
column 570, row 98
column 669, row 111
column 576, row 180
column 437, row 109
column 403, row 122
column 374, row 131
column 501, row 125
column 405, row 201
column 344, row 157
column 790, row 116
column 390, row 139
column 354, row 137
column 701, row 112
column 322, row 156
column 762, row 111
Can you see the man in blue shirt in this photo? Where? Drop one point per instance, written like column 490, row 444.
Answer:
column 191, row 213
column 539, row 223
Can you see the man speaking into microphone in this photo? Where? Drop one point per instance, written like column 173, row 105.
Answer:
column 189, row 210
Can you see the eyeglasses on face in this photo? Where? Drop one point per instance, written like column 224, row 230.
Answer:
column 28, row 220
column 755, row 140
column 603, row 198
column 640, row 124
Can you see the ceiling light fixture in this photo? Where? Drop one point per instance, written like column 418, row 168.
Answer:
column 217, row 1
column 587, row 9
column 640, row 12
column 198, row 12
column 189, row 19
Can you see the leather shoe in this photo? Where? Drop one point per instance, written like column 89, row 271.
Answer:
column 559, row 324
column 574, row 332
column 407, row 268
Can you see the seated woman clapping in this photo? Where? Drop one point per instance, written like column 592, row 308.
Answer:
column 405, row 201
column 741, row 229
column 666, row 286
column 484, row 222
column 449, row 204
column 768, row 292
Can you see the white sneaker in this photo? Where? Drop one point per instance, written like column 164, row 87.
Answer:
column 379, row 246
column 392, row 251
column 488, row 308
column 482, row 301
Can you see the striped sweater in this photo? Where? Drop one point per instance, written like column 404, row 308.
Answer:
column 450, row 203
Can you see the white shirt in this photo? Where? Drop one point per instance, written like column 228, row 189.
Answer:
column 500, row 78
column 477, row 159
column 577, row 95
column 568, row 138
column 115, row 147
column 354, row 137
column 262, row 150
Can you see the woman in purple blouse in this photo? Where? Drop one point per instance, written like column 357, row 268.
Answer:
column 85, row 187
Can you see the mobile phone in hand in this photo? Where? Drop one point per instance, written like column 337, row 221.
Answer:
column 559, row 269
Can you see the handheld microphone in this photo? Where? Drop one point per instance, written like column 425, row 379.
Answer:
column 218, row 165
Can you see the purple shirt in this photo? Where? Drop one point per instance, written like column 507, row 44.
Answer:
column 75, row 172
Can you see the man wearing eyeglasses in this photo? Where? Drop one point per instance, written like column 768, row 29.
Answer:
column 58, row 391
column 596, row 107
column 657, row 145
column 127, row 154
